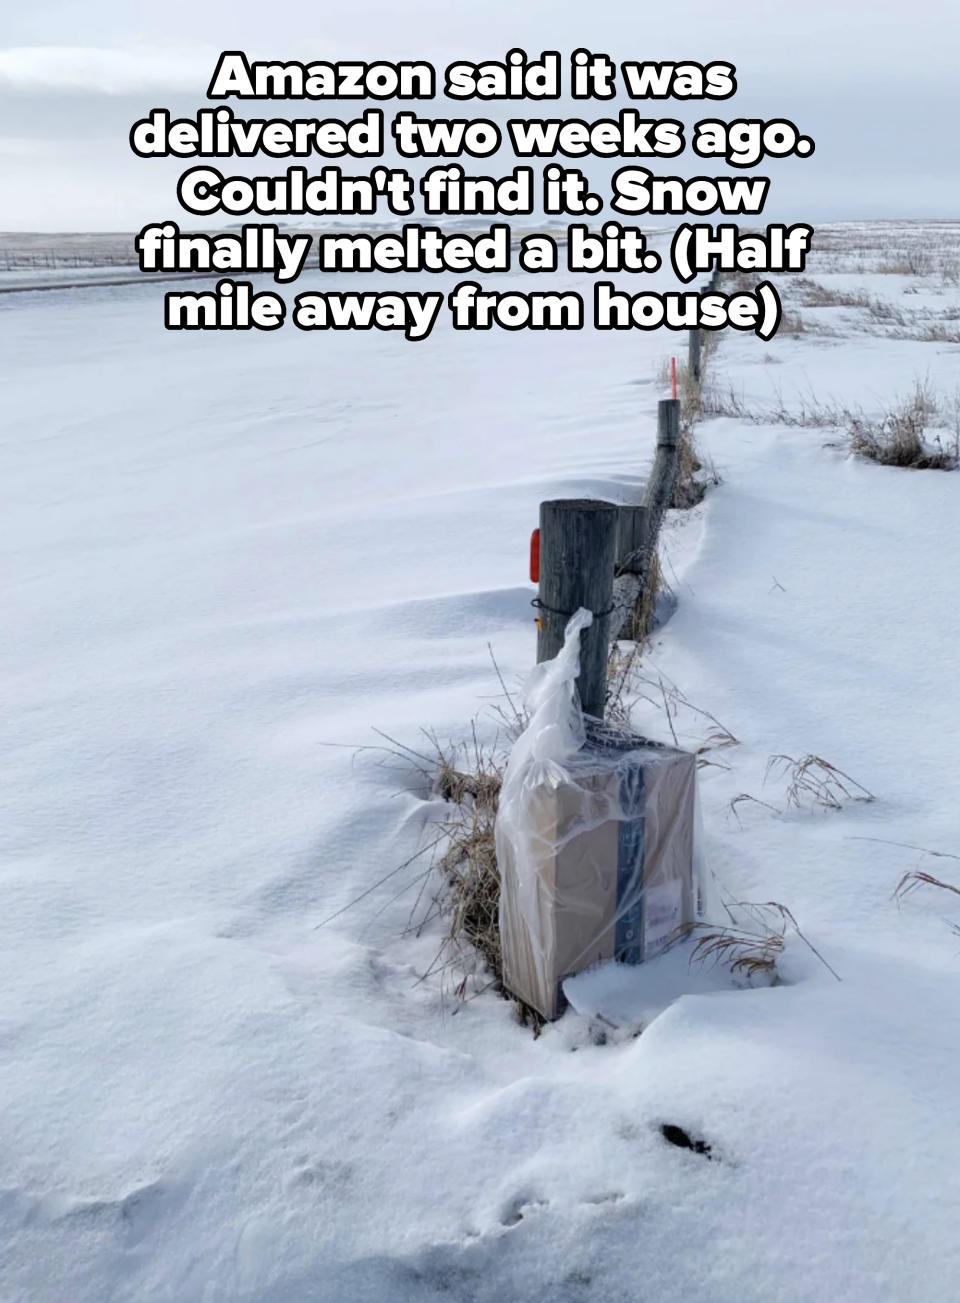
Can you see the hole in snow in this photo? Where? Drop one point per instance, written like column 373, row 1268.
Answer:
column 675, row 1135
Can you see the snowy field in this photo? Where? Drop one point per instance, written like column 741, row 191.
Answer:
column 229, row 560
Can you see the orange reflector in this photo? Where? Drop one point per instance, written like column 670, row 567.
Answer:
column 535, row 557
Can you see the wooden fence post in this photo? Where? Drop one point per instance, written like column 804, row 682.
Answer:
column 657, row 498
column 693, row 353
column 663, row 477
column 578, row 543
column 632, row 539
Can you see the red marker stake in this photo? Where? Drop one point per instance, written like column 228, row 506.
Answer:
column 673, row 377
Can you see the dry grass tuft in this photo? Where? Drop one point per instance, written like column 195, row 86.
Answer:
column 816, row 295
column 934, row 332
column 631, row 684
column 746, row 954
column 912, row 260
column 754, row 800
column 749, row 951
column 948, row 269
column 469, row 897
column 811, row 781
column 727, row 402
column 483, row 787
column 806, row 412
column 883, row 311
column 895, row 438
column 816, row 781
column 898, row 437
column 917, row 878
column 688, row 391
column 470, row 778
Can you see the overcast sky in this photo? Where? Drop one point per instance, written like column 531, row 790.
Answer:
column 873, row 81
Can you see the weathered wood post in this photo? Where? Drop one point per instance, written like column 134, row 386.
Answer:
column 693, row 357
column 638, row 579
column 663, row 476
column 578, row 544
column 632, row 561
column 633, row 525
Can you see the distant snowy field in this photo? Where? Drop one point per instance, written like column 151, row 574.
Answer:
column 230, row 558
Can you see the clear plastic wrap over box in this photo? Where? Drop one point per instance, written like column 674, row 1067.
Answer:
column 595, row 840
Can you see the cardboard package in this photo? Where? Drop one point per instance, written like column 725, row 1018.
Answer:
column 596, row 858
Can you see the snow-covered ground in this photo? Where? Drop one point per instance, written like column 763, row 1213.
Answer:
column 229, row 559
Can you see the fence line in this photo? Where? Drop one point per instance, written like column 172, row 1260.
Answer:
column 602, row 556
